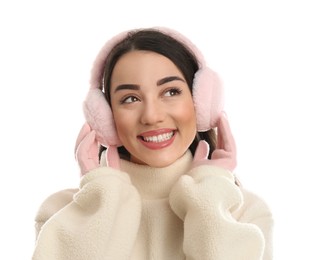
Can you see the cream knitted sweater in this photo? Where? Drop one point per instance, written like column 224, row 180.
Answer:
column 154, row 213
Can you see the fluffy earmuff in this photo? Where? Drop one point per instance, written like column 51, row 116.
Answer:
column 207, row 93
column 99, row 116
column 207, row 98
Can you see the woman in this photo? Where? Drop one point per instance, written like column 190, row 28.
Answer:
column 163, row 187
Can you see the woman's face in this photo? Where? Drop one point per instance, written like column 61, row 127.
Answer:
column 152, row 108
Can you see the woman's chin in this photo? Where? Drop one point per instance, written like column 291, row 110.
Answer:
column 158, row 161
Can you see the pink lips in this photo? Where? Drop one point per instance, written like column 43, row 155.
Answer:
column 157, row 139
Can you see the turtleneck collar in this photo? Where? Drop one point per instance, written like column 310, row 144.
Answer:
column 156, row 183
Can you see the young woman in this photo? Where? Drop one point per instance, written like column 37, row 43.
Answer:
column 163, row 185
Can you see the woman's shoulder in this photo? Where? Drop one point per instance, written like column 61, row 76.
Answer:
column 54, row 203
column 253, row 207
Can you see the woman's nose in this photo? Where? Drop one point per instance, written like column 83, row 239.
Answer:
column 152, row 113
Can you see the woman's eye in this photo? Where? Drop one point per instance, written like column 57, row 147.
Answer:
column 129, row 99
column 172, row 92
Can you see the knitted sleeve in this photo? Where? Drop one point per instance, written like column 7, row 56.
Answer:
column 205, row 199
column 94, row 223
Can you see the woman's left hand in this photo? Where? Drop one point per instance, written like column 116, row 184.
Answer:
column 225, row 154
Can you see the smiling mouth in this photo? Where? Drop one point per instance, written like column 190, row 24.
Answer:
column 158, row 138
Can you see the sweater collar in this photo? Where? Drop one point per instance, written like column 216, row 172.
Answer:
column 156, row 183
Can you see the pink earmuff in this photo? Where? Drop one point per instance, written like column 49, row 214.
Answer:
column 207, row 93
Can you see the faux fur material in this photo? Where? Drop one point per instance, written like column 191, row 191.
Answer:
column 207, row 92
column 99, row 116
column 208, row 98
column 98, row 66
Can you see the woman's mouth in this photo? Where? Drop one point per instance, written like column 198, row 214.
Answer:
column 157, row 139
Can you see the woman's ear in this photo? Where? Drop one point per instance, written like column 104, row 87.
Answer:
column 208, row 98
column 99, row 116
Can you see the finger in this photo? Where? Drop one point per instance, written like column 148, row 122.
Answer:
column 226, row 140
column 81, row 135
column 219, row 154
column 202, row 151
column 112, row 157
column 86, row 145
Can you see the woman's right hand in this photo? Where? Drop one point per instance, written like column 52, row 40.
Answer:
column 86, row 150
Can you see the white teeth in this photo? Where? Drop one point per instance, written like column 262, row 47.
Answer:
column 158, row 138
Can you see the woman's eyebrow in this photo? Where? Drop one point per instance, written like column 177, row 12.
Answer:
column 168, row 79
column 127, row 86
column 159, row 83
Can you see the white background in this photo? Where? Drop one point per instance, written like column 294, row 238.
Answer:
column 261, row 49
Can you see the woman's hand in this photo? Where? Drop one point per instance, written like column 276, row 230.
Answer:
column 225, row 155
column 86, row 150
